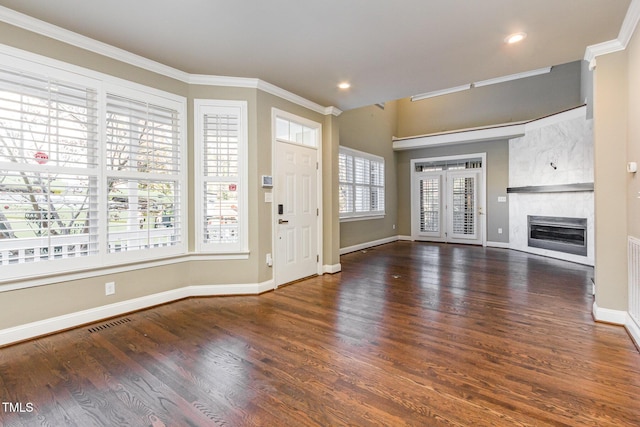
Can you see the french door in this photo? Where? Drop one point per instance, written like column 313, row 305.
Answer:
column 446, row 206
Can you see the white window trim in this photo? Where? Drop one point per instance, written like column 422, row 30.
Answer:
column 163, row 99
column 241, row 248
column 355, row 216
column 33, row 272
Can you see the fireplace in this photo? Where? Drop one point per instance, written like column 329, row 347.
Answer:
column 560, row 234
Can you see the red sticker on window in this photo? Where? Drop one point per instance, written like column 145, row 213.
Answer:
column 233, row 187
column 41, row 157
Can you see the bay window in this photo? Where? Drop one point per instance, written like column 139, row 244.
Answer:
column 88, row 167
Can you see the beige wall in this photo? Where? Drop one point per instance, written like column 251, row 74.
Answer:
column 57, row 297
column 370, row 129
column 610, row 140
column 633, row 142
column 331, row 222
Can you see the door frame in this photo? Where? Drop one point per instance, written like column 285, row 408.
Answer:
column 482, row 197
column 275, row 112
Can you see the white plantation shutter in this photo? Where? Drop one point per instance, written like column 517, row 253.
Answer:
column 430, row 208
column 221, row 139
column 345, row 177
column 463, row 206
column 361, row 184
column 143, row 175
column 48, row 159
column 88, row 166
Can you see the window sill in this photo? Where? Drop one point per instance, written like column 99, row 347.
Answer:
column 361, row 218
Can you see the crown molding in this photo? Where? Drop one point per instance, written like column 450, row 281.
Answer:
column 69, row 37
column 54, row 32
column 603, row 48
column 296, row 99
column 209, row 80
column 511, row 77
column 440, row 92
column 627, row 29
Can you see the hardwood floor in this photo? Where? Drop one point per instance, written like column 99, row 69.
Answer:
column 408, row 334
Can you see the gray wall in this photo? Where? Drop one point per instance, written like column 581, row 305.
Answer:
column 523, row 99
column 497, row 168
column 370, row 129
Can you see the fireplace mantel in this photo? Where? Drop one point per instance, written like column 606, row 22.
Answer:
column 557, row 188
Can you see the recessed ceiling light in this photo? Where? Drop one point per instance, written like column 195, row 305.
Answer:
column 515, row 38
column 344, row 85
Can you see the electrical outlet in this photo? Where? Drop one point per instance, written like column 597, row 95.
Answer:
column 499, row 230
column 110, row 288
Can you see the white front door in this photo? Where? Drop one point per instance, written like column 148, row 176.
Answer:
column 296, row 212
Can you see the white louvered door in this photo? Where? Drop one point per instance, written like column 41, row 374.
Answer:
column 463, row 210
column 446, row 206
column 429, row 224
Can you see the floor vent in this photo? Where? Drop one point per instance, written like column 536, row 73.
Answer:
column 109, row 325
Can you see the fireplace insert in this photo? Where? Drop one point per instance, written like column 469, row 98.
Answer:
column 560, row 234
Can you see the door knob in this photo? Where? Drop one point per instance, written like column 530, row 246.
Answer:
column 283, row 221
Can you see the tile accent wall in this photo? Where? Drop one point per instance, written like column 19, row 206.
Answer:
column 553, row 151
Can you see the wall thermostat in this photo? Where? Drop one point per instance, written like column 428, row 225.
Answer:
column 267, row 181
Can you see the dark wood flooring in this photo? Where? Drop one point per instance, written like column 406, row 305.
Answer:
column 408, row 334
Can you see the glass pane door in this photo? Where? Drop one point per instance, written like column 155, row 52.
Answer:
column 463, row 206
column 429, row 221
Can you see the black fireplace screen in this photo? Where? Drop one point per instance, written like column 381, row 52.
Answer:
column 561, row 234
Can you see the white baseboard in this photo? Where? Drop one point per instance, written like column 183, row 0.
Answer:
column 405, row 238
column 366, row 245
column 72, row 320
column 332, row 269
column 502, row 245
column 633, row 329
column 616, row 317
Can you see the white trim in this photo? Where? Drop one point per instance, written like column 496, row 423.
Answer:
column 481, row 83
column 630, row 23
column 72, row 320
column 482, row 196
column 440, row 92
column 616, row 317
column 201, row 107
column 352, row 214
column 57, row 33
column 332, row 269
column 83, row 273
column 511, row 77
column 487, row 133
column 405, row 238
column 627, row 29
column 501, row 245
column 367, row 245
column 507, row 131
column 603, row 48
column 552, row 119
column 275, row 113
column 633, row 329
column 362, row 217
column 74, row 39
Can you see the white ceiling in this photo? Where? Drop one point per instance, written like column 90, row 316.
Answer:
column 387, row 49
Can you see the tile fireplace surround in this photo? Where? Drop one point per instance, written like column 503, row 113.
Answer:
column 551, row 174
